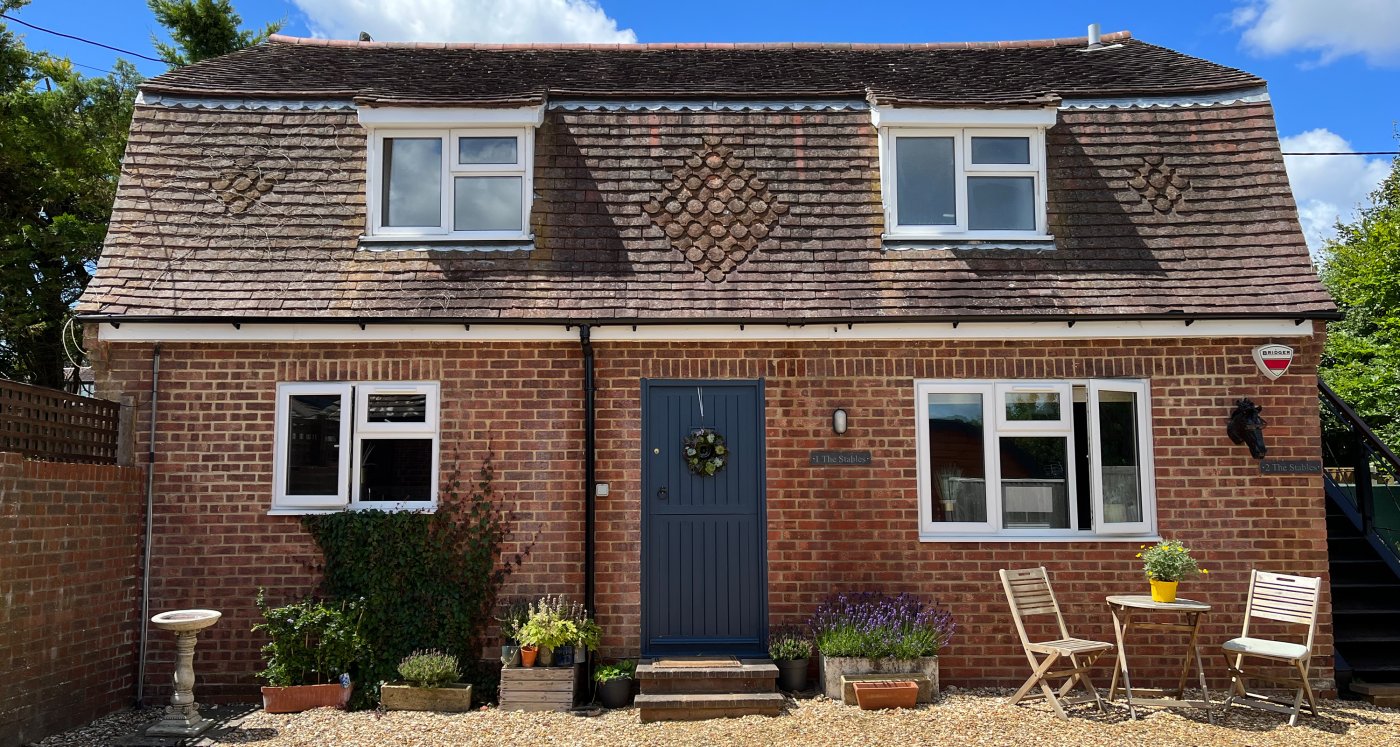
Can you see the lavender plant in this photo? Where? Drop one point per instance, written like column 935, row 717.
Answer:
column 876, row 625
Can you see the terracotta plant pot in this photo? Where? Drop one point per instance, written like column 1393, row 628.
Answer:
column 872, row 695
column 546, row 657
column 298, row 698
column 792, row 675
column 1163, row 591
column 528, row 655
column 615, row 693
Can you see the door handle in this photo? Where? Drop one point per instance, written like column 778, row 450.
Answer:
column 663, row 494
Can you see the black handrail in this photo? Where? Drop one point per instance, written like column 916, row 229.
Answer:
column 1368, row 447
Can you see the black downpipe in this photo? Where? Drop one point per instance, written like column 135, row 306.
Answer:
column 589, row 470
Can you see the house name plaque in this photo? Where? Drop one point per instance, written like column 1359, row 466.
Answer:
column 838, row 458
column 1290, row 467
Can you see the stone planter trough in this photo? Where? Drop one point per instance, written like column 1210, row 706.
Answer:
column 453, row 698
column 832, row 669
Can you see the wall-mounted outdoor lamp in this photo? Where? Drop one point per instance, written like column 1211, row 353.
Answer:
column 838, row 421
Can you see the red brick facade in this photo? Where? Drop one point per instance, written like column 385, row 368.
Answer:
column 828, row 529
column 70, row 542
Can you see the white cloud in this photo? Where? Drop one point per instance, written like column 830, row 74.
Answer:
column 499, row 21
column 1331, row 28
column 1328, row 188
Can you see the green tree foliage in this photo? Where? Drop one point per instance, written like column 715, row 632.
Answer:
column 201, row 29
column 62, row 136
column 1361, row 268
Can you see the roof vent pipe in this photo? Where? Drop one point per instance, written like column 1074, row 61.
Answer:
column 1094, row 42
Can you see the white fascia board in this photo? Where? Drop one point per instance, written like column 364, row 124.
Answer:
column 372, row 117
column 623, row 332
column 893, row 116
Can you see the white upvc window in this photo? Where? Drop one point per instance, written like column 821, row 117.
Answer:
column 977, row 183
column 451, row 173
column 1034, row 460
column 356, row 445
column 963, row 174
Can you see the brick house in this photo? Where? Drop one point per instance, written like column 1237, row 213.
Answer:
column 1029, row 276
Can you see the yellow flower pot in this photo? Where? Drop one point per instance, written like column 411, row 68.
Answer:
column 1163, row 591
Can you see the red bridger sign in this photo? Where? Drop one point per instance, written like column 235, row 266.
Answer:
column 1273, row 360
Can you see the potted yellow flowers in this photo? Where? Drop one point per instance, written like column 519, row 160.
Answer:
column 1166, row 563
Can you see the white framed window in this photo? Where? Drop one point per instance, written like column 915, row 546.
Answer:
column 1034, row 459
column 449, row 173
column 356, row 445
column 454, row 183
column 945, row 176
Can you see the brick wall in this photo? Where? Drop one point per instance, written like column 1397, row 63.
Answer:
column 70, row 542
column 828, row 529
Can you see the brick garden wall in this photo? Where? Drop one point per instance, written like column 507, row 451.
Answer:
column 70, row 542
column 828, row 528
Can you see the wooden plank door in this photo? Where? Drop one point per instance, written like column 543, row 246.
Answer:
column 704, row 565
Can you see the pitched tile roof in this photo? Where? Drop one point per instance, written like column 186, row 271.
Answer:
column 970, row 73
column 244, row 213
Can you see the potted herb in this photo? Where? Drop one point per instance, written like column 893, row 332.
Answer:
column 516, row 612
column 1166, row 564
column 546, row 629
column 615, row 683
column 430, row 685
column 790, row 648
column 312, row 648
column 872, row 633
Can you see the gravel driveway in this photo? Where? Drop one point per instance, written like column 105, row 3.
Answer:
column 964, row 717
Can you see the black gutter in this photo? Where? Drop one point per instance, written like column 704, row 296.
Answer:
column 117, row 319
column 589, row 468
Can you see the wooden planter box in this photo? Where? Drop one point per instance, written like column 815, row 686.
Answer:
column 298, row 698
column 873, row 695
column 832, row 669
column 537, row 689
column 454, row 698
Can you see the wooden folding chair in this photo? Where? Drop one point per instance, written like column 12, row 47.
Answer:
column 1028, row 591
column 1286, row 599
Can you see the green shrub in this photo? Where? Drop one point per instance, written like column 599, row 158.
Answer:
column 311, row 642
column 428, row 581
column 622, row 670
column 548, row 625
column 789, row 643
column 429, row 669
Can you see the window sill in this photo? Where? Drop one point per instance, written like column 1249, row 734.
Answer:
column 323, row 511
column 901, row 242
column 1081, row 537
column 408, row 243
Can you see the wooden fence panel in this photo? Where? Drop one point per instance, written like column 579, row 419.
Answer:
column 57, row 426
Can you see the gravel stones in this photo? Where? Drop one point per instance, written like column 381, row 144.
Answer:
column 963, row 717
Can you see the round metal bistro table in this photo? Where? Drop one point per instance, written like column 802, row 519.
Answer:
column 1126, row 608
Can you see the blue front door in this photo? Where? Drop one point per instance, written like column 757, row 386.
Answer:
column 704, row 567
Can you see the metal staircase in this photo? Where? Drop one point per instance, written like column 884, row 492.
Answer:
column 1362, row 477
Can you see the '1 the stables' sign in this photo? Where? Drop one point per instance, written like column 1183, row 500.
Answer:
column 1273, row 360
column 839, row 458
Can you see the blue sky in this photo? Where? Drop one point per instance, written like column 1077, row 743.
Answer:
column 1332, row 65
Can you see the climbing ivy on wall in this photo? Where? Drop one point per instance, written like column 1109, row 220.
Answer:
column 426, row 580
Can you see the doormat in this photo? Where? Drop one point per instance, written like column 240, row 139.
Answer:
column 699, row 662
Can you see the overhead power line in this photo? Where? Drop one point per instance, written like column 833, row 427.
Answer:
column 1347, row 153
column 81, row 39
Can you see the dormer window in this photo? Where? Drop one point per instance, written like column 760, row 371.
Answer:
column 963, row 182
column 468, row 181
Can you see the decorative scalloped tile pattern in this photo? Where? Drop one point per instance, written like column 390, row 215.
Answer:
column 1160, row 185
column 243, row 185
column 715, row 210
